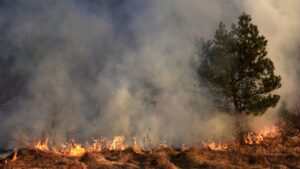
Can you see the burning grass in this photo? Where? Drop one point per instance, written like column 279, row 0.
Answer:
column 266, row 149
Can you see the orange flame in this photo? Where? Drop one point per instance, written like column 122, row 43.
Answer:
column 209, row 144
column 73, row 150
column 272, row 131
column 42, row 145
column 95, row 147
column 15, row 156
column 136, row 147
column 257, row 138
column 117, row 143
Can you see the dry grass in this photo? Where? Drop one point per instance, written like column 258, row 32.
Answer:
column 280, row 152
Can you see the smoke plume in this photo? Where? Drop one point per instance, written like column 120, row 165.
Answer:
column 86, row 69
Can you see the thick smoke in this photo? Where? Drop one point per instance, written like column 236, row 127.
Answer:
column 105, row 68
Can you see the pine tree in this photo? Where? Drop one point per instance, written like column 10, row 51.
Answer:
column 235, row 68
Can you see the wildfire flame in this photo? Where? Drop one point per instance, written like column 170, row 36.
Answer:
column 272, row 131
column 253, row 138
column 136, row 147
column 118, row 143
column 42, row 145
column 74, row 149
column 209, row 144
column 95, row 147
column 266, row 132
column 250, row 138
column 15, row 156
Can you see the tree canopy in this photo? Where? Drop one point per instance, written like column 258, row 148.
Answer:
column 235, row 67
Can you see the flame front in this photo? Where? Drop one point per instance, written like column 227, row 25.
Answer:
column 74, row 149
column 266, row 132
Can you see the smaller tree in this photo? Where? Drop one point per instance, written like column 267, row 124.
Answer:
column 235, row 68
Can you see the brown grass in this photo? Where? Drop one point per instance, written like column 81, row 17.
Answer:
column 280, row 152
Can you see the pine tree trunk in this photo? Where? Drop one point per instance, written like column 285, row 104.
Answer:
column 241, row 127
column 241, row 124
column 239, row 134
